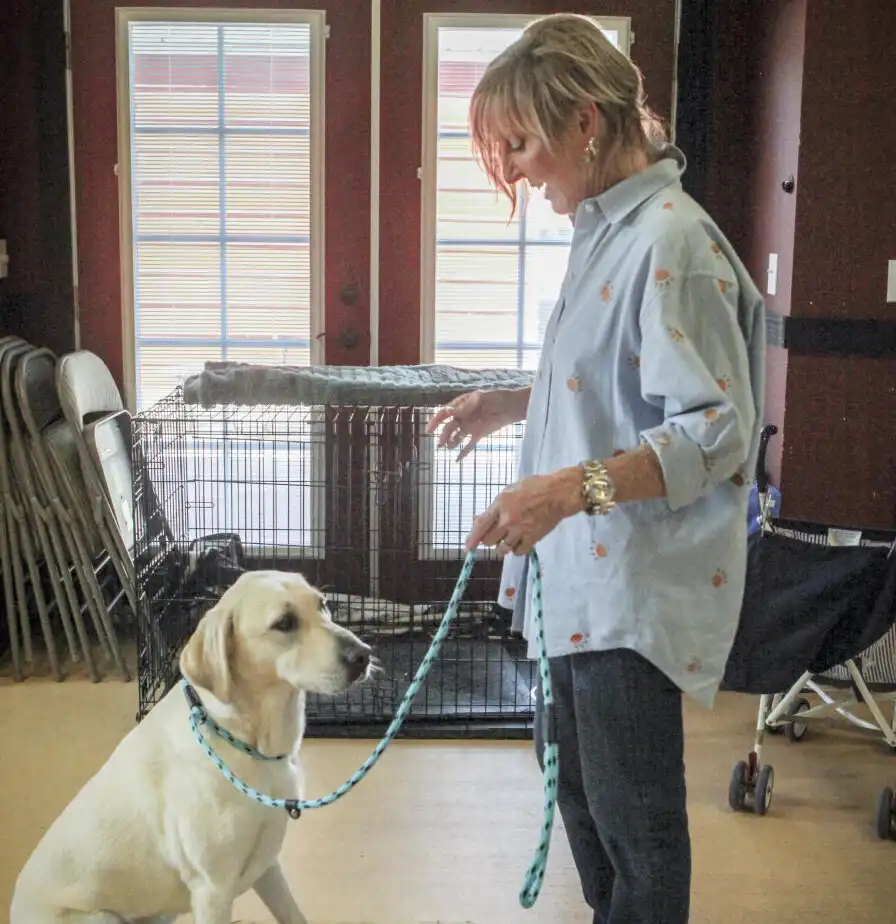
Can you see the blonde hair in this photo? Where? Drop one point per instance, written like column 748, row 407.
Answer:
column 534, row 87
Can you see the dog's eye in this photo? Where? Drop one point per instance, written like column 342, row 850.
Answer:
column 288, row 622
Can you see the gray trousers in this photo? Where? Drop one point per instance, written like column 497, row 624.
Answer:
column 621, row 792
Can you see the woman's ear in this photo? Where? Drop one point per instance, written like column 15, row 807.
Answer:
column 588, row 121
column 206, row 658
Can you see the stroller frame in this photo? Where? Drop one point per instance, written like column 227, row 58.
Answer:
column 752, row 781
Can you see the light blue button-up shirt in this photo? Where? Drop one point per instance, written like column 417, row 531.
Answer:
column 659, row 336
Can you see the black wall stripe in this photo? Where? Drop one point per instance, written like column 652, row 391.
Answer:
column 828, row 337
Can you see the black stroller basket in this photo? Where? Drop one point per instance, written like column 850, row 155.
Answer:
column 808, row 605
column 817, row 614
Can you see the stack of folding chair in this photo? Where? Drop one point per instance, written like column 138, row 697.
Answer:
column 65, row 499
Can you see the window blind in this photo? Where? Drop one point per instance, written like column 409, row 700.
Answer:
column 221, row 178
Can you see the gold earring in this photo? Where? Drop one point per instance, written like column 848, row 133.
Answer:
column 591, row 150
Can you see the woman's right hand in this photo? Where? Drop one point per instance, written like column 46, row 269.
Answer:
column 477, row 414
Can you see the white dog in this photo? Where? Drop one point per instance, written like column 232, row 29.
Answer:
column 159, row 831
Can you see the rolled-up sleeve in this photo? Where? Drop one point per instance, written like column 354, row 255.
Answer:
column 695, row 367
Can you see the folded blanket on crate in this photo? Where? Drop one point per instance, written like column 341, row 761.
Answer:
column 383, row 386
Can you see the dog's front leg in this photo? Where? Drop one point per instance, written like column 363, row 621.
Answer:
column 210, row 907
column 271, row 887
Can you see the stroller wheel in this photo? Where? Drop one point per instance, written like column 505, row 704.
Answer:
column 886, row 815
column 765, row 784
column 796, row 731
column 737, row 788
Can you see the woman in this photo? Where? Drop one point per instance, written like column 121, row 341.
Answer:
column 642, row 430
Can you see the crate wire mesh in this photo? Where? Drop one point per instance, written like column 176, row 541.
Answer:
column 357, row 499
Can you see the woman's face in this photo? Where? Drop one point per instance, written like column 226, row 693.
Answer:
column 561, row 172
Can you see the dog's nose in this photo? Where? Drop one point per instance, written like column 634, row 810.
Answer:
column 356, row 660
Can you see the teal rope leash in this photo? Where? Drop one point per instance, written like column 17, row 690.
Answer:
column 536, row 871
column 550, row 758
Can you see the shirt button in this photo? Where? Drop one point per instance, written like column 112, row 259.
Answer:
column 589, row 206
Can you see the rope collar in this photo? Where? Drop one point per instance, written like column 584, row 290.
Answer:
column 199, row 717
column 200, row 714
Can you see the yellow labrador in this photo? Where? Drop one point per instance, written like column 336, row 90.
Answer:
column 159, row 831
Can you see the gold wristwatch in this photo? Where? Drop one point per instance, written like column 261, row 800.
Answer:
column 597, row 489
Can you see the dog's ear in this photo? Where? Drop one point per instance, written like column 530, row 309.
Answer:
column 206, row 658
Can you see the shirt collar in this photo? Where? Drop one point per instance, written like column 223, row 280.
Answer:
column 620, row 200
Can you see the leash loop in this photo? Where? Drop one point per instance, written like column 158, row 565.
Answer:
column 534, row 878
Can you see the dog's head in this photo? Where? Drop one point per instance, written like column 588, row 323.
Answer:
column 272, row 627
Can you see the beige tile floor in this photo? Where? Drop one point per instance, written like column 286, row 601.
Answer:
column 444, row 831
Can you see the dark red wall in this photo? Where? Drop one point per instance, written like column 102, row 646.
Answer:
column 840, row 454
column 805, row 88
column 37, row 300
column 754, row 146
column 846, row 163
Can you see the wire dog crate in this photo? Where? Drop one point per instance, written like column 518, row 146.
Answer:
column 359, row 500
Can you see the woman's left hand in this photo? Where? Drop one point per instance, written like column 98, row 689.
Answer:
column 525, row 512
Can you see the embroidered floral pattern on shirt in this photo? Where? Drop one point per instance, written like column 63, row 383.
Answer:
column 668, row 206
column 634, row 360
column 649, row 269
column 724, row 285
column 711, row 414
column 574, row 383
column 738, row 479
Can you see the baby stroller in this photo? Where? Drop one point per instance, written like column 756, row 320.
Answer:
column 819, row 617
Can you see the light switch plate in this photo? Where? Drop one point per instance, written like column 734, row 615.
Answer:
column 772, row 284
column 891, row 281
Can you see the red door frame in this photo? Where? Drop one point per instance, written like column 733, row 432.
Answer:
column 347, row 189
column 653, row 25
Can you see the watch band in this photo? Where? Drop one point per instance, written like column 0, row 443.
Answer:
column 597, row 488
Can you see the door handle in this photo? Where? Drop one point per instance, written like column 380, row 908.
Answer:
column 348, row 338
